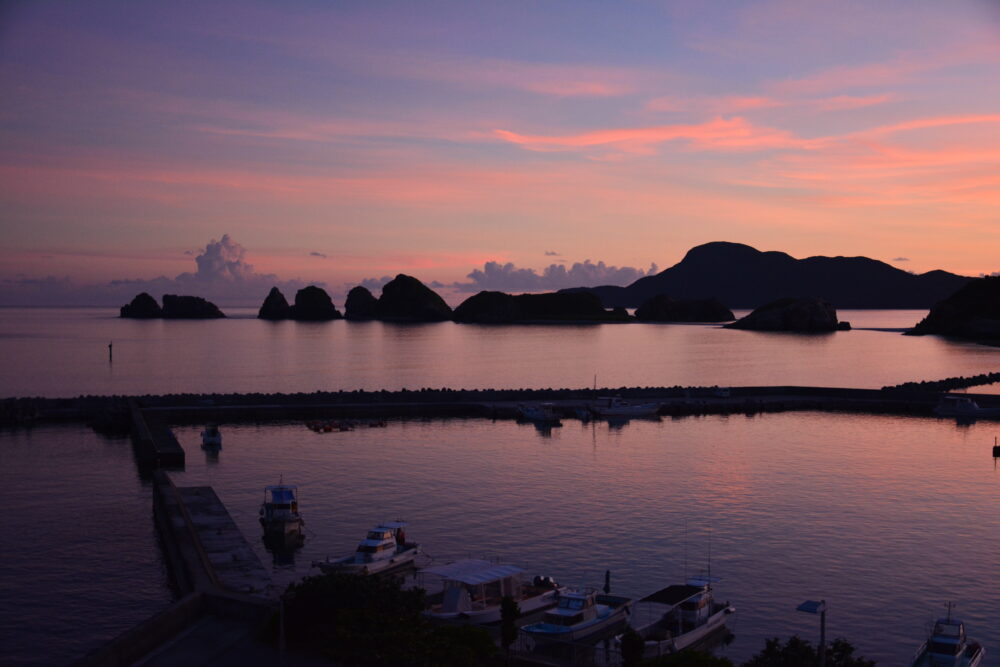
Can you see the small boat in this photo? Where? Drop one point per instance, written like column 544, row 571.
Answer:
column 676, row 617
column 384, row 548
column 472, row 590
column 613, row 406
column 580, row 614
column 540, row 413
column 211, row 436
column 279, row 513
column 962, row 407
column 948, row 646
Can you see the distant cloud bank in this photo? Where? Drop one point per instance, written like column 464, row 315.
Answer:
column 508, row 277
column 222, row 275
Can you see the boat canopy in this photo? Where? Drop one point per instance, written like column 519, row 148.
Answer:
column 392, row 525
column 474, row 572
column 282, row 493
column 674, row 595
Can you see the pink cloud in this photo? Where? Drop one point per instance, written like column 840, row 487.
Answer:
column 719, row 134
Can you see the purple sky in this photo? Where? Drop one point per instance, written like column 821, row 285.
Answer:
column 337, row 142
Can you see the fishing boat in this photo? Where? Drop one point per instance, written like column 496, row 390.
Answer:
column 613, row 406
column 677, row 617
column 279, row 513
column 211, row 436
column 948, row 646
column 540, row 413
column 384, row 548
column 472, row 590
column 580, row 614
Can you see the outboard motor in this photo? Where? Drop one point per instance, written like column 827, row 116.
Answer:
column 544, row 581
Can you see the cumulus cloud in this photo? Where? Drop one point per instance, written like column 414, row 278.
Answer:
column 221, row 274
column 374, row 284
column 509, row 278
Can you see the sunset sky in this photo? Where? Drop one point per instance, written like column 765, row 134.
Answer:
column 344, row 141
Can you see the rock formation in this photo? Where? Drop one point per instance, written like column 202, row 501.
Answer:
column 662, row 308
column 142, row 307
column 807, row 315
column 275, row 306
column 501, row 308
column 313, row 304
column 406, row 299
column 971, row 312
column 360, row 304
column 189, row 308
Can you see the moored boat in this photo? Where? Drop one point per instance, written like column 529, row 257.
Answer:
column 962, row 407
column 580, row 614
column 540, row 413
column 472, row 590
column 614, row 406
column 677, row 617
column 384, row 548
column 948, row 646
column 211, row 436
column 279, row 513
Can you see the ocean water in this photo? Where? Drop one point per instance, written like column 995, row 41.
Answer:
column 887, row 518
column 63, row 352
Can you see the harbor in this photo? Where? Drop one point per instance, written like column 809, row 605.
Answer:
column 207, row 540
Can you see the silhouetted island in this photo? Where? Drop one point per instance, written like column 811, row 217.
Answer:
column 502, row 308
column 275, row 306
column 662, row 308
column 143, row 306
column 406, row 299
column 972, row 312
column 807, row 315
column 360, row 304
column 189, row 308
column 743, row 277
column 313, row 304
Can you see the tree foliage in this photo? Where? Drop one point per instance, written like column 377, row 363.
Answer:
column 797, row 652
column 369, row 621
column 689, row 659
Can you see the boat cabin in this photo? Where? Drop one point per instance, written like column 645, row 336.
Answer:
column 948, row 639
column 682, row 607
column 573, row 608
column 381, row 542
column 280, row 503
column 476, row 584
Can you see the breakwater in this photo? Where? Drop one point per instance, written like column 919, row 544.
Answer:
column 949, row 384
column 117, row 412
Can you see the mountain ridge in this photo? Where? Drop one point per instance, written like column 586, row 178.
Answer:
column 741, row 276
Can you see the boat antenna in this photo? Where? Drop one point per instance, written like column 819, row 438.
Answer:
column 710, row 553
column 685, row 548
column 950, row 605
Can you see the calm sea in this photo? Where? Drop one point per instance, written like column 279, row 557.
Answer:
column 886, row 518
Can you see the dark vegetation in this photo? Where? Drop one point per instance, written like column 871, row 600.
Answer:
column 144, row 307
column 501, row 308
column 797, row 652
column 662, row 308
column 972, row 312
column 364, row 621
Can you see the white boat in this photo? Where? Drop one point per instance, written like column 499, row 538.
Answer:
column 384, row 548
column 279, row 513
column 962, row 407
column 613, row 406
column 211, row 436
column 580, row 614
column 540, row 413
column 949, row 647
column 472, row 590
column 677, row 617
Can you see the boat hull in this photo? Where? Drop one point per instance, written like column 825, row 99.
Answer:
column 547, row 633
column 685, row 640
column 491, row 614
column 350, row 565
